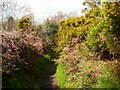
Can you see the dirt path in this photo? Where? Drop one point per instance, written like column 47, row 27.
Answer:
column 48, row 80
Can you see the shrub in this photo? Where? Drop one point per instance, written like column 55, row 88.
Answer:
column 19, row 50
column 96, row 37
column 103, row 36
column 84, row 70
column 71, row 28
column 24, row 23
column 99, row 27
column 49, row 29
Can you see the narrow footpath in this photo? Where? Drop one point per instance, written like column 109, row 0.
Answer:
column 48, row 80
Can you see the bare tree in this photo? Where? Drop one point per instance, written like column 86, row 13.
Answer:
column 62, row 16
column 12, row 8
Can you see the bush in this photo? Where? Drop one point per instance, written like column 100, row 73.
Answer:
column 19, row 50
column 99, row 28
column 71, row 28
column 95, row 63
column 83, row 70
column 24, row 23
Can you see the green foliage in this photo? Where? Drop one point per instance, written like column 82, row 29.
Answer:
column 78, row 47
column 99, row 26
column 111, row 30
column 22, row 59
column 86, row 72
column 24, row 23
column 95, row 34
column 60, row 74
column 49, row 29
column 94, row 65
column 71, row 28
column 104, row 33
column 26, row 79
column 19, row 80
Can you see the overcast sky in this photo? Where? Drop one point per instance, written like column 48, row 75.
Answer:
column 46, row 8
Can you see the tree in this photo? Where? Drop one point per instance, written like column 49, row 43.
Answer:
column 62, row 16
column 12, row 8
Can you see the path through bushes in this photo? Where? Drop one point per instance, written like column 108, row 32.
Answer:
column 32, row 63
column 48, row 80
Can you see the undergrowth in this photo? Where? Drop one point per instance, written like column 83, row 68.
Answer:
column 86, row 73
column 27, row 78
column 60, row 74
column 90, row 48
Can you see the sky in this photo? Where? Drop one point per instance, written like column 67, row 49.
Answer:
column 46, row 8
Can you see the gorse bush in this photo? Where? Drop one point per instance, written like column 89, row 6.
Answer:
column 72, row 28
column 91, row 48
column 104, row 33
column 111, row 30
column 24, row 23
column 99, row 27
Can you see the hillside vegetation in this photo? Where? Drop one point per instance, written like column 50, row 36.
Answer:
column 86, row 49
column 90, row 56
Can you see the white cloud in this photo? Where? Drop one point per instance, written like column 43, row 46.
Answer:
column 45, row 8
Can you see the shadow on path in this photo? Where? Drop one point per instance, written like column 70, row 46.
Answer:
column 48, row 80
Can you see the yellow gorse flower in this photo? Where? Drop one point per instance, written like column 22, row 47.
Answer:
column 24, row 23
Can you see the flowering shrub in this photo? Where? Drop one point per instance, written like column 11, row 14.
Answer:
column 97, row 63
column 104, row 34
column 111, row 30
column 24, row 23
column 100, row 28
column 72, row 28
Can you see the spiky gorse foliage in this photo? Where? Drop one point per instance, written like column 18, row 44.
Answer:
column 97, row 37
column 105, row 30
column 111, row 30
column 72, row 27
column 99, row 26
column 24, row 23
